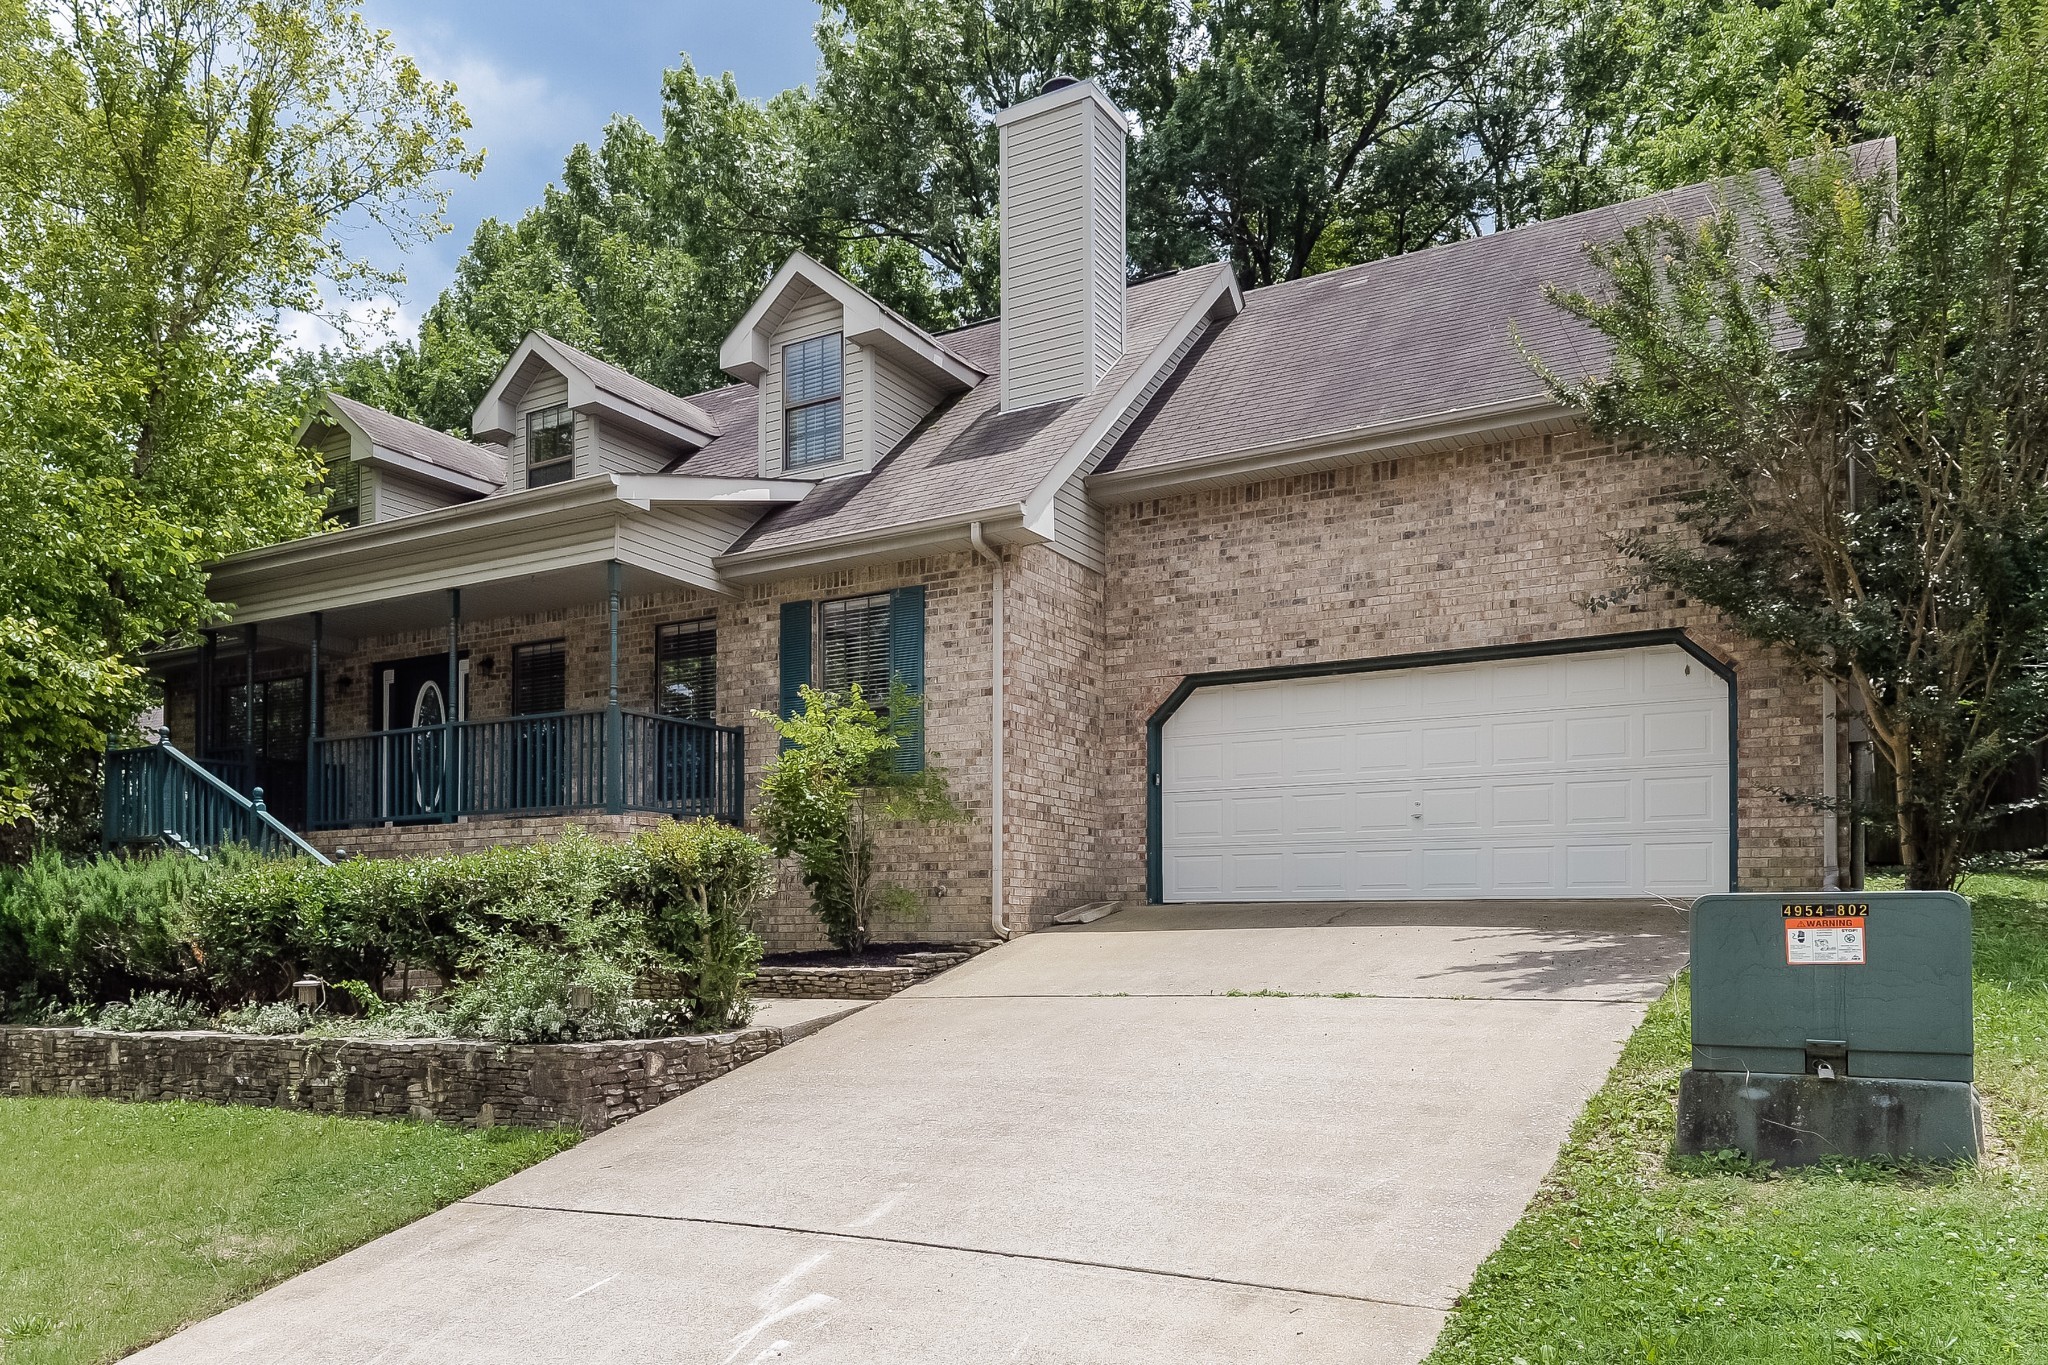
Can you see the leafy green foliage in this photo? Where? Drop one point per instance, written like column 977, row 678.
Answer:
column 169, row 173
column 1625, row 1257
column 530, row 995
column 272, row 1018
column 821, row 799
column 194, row 1207
column 1873, row 500
column 152, row 1012
column 696, row 884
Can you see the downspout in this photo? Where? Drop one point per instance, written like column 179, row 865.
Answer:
column 996, row 921
column 1830, row 790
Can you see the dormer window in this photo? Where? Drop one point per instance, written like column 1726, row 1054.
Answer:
column 344, row 481
column 813, row 417
column 550, row 446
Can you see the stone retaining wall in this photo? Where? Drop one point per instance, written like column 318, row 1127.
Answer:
column 590, row 1086
column 863, row 982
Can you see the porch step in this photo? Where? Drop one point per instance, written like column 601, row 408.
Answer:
column 174, row 840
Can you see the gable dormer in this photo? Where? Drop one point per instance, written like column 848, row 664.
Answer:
column 563, row 414
column 376, row 466
column 842, row 379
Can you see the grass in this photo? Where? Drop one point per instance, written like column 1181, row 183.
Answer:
column 1626, row 1256
column 119, row 1223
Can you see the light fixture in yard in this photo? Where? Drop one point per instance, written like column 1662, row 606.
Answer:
column 581, row 999
column 310, row 991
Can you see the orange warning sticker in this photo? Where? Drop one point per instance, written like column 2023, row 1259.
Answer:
column 1826, row 935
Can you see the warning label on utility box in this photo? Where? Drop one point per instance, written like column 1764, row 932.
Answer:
column 1825, row 933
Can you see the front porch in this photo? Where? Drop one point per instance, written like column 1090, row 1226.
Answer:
column 535, row 706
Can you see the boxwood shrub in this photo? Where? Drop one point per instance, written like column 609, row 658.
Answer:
column 674, row 903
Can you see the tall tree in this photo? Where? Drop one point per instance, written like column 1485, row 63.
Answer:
column 1860, row 380
column 170, row 171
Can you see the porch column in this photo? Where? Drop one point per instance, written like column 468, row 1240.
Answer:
column 202, row 705
column 614, row 720
column 249, row 708
column 313, row 811
column 451, row 734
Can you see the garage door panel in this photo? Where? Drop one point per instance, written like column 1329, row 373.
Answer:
column 1576, row 776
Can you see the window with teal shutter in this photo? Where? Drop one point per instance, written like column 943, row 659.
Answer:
column 906, row 665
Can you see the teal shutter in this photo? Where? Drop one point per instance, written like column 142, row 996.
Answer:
column 906, row 665
column 796, row 657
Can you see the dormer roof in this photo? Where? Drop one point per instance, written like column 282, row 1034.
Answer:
column 381, row 438
column 868, row 322
column 595, row 386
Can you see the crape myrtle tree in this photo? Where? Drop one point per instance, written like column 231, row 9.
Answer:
column 171, row 174
column 1854, row 360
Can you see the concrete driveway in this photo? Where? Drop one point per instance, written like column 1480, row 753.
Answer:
column 1079, row 1147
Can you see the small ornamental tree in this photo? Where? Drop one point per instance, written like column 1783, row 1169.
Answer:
column 835, row 780
column 1858, row 374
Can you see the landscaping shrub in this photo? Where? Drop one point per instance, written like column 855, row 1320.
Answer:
column 696, row 885
column 103, row 929
column 821, row 799
column 518, row 933
column 277, row 1018
column 529, row 995
column 152, row 1012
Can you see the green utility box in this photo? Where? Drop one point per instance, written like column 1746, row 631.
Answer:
column 1831, row 1024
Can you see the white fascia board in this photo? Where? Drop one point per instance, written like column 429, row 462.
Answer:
column 1221, row 299
column 420, row 469
column 596, row 490
column 1345, row 445
column 744, row 352
column 1004, row 525
column 649, row 489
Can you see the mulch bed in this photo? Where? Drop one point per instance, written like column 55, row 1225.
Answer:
column 876, row 955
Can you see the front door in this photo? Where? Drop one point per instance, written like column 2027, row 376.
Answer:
column 411, row 706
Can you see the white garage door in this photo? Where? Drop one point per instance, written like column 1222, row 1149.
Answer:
column 1602, row 774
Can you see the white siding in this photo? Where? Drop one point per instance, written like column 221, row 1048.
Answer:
column 1062, row 252
column 619, row 451
column 546, row 389
column 398, row 496
column 681, row 542
column 810, row 313
column 898, row 401
column 1077, row 522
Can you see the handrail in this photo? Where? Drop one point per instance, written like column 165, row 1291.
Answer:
column 250, row 808
column 252, row 803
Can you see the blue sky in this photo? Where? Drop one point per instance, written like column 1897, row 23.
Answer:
column 539, row 78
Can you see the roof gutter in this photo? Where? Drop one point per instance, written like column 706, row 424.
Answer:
column 996, row 920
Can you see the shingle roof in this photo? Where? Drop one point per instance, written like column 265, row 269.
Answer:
column 1407, row 338
column 468, row 458
column 970, row 456
column 609, row 378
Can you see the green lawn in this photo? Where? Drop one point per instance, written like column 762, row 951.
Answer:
column 121, row 1222
column 1623, row 1258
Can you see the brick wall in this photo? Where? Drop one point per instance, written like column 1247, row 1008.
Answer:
column 946, row 866
column 470, row 836
column 1486, row 545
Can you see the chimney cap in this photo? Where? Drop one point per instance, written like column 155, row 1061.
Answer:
column 1057, row 93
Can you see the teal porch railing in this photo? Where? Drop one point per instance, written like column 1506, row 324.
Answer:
column 541, row 764
column 159, row 795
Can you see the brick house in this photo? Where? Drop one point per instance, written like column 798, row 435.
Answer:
column 1212, row 595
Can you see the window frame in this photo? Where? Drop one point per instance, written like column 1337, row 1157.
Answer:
column 347, row 513
column 524, row 652
column 811, row 402
column 878, row 700
column 697, row 625
column 562, row 468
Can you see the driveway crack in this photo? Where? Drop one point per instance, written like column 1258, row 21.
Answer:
column 1078, row 1261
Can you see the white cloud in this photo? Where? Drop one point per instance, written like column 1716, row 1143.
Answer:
column 364, row 324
